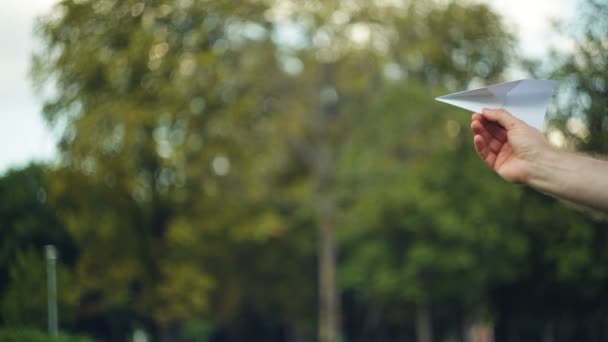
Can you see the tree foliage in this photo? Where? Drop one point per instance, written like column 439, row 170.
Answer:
column 28, row 223
column 581, row 114
column 202, row 143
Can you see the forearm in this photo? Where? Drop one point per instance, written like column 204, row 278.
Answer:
column 571, row 177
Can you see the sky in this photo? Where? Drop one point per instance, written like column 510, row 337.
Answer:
column 25, row 137
column 23, row 134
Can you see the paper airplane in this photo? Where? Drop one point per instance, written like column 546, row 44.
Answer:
column 525, row 99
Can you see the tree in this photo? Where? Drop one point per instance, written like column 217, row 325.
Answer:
column 566, row 269
column 429, row 226
column 160, row 128
column 185, row 121
column 24, row 302
column 28, row 223
column 582, row 108
column 557, row 291
column 346, row 50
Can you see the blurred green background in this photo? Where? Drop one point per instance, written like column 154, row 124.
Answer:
column 279, row 171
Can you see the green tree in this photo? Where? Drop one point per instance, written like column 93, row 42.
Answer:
column 428, row 224
column 192, row 130
column 163, row 112
column 347, row 52
column 557, row 293
column 24, row 302
column 566, row 269
column 583, row 104
column 28, row 223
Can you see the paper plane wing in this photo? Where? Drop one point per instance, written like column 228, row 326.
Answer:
column 526, row 99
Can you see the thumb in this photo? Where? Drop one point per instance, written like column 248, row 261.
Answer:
column 500, row 116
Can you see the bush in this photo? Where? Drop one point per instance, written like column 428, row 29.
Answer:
column 34, row 335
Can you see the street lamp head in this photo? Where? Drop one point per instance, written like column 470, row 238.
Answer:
column 50, row 252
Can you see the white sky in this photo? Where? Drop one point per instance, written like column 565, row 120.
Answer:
column 531, row 20
column 24, row 136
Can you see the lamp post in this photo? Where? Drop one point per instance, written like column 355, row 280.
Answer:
column 51, row 274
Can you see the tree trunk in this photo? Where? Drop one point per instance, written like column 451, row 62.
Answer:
column 512, row 331
column 424, row 328
column 328, row 298
column 329, row 306
column 549, row 332
column 167, row 333
column 604, row 329
column 592, row 329
column 466, row 333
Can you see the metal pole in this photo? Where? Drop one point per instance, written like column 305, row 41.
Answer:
column 51, row 261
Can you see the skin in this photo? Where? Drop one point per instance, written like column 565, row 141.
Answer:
column 521, row 154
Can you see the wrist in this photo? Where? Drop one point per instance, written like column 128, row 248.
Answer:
column 541, row 168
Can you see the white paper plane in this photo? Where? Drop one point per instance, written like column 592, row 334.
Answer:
column 525, row 99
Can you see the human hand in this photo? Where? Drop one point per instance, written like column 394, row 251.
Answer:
column 508, row 145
